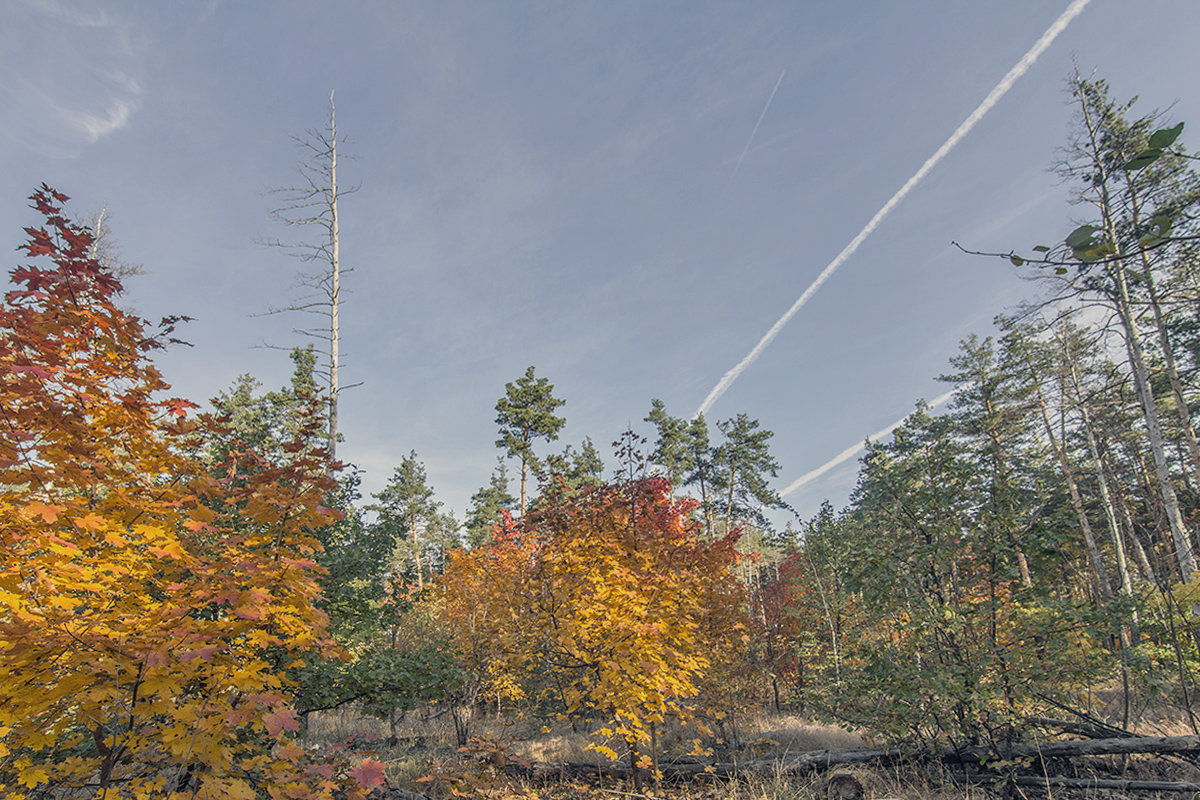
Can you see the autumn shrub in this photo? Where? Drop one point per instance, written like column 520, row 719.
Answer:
column 151, row 600
column 616, row 606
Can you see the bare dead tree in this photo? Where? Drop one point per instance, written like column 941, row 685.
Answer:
column 105, row 248
column 313, row 201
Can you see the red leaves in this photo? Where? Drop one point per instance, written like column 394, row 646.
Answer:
column 178, row 407
column 280, row 720
column 369, row 774
column 39, row 243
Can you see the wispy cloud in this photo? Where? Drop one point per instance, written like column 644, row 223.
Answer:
column 1020, row 68
column 851, row 452
column 87, row 89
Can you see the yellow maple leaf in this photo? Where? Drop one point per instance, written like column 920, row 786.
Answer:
column 91, row 522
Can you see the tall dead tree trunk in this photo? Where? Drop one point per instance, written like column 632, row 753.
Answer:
column 314, row 202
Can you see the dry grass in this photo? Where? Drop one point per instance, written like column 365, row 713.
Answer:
column 426, row 744
column 425, row 740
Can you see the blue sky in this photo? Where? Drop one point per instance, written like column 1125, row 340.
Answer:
column 573, row 185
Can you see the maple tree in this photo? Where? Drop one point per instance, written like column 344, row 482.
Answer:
column 151, row 600
column 617, row 600
column 475, row 605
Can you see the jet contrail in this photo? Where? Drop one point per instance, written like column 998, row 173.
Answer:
column 851, row 452
column 1001, row 88
column 754, row 132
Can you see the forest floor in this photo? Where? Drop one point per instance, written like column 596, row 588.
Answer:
column 425, row 761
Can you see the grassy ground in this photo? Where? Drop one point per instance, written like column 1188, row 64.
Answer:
column 425, row 748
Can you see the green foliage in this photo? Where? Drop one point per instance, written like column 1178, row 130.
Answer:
column 674, row 449
column 526, row 413
column 952, row 641
column 409, row 513
column 487, row 506
column 743, row 463
column 577, row 468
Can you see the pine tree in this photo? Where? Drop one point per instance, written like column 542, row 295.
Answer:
column 526, row 413
column 407, row 504
column 487, row 506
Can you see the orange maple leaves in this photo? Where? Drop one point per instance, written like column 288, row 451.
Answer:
column 149, row 601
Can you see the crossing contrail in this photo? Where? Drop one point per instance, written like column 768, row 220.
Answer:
column 851, row 452
column 993, row 97
column 754, row 132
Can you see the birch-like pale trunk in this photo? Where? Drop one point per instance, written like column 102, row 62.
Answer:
column 1085, row 524
column 1164, row 340
column 1133, row 343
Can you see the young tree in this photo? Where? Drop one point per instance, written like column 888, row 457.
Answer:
column 617, row 604
column 488, row 505
column 582, row 467
column 266, row 421
column 314, row 202
column 673, row 448
column 702, row 460
column 407, row 504
column 156, row 605
column 526, row 413
column 475, row 597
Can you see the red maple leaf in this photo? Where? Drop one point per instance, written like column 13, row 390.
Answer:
column 369, row 774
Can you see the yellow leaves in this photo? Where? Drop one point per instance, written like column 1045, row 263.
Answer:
column 61, row 547
column 615, row 604
column 10, row 600
column 91, row 522
column 31, row 776
column 203, row 514
column 604, row 750
column 169, row 549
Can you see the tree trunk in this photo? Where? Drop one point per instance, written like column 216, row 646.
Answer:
column 1133, row 344
column 335, row 278
column 1110, row 513
column 1182, row 410
column 417, row 555
column 1089, row 539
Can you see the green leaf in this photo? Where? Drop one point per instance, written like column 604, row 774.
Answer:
column 1165, row 137
column 1144, row 159
column 1081, row 236
column 1094, row 252
column 1060, row 270
column 1016, row 260
column 1041, row 248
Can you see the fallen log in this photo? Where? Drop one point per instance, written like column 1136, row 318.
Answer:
column 1072, row 748
column 1107, row 783
column 826, row 759
column 1092, row 729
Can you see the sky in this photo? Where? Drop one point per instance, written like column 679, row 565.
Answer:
column 626, row 196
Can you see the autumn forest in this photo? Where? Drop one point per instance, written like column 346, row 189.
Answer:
column 187, row 587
